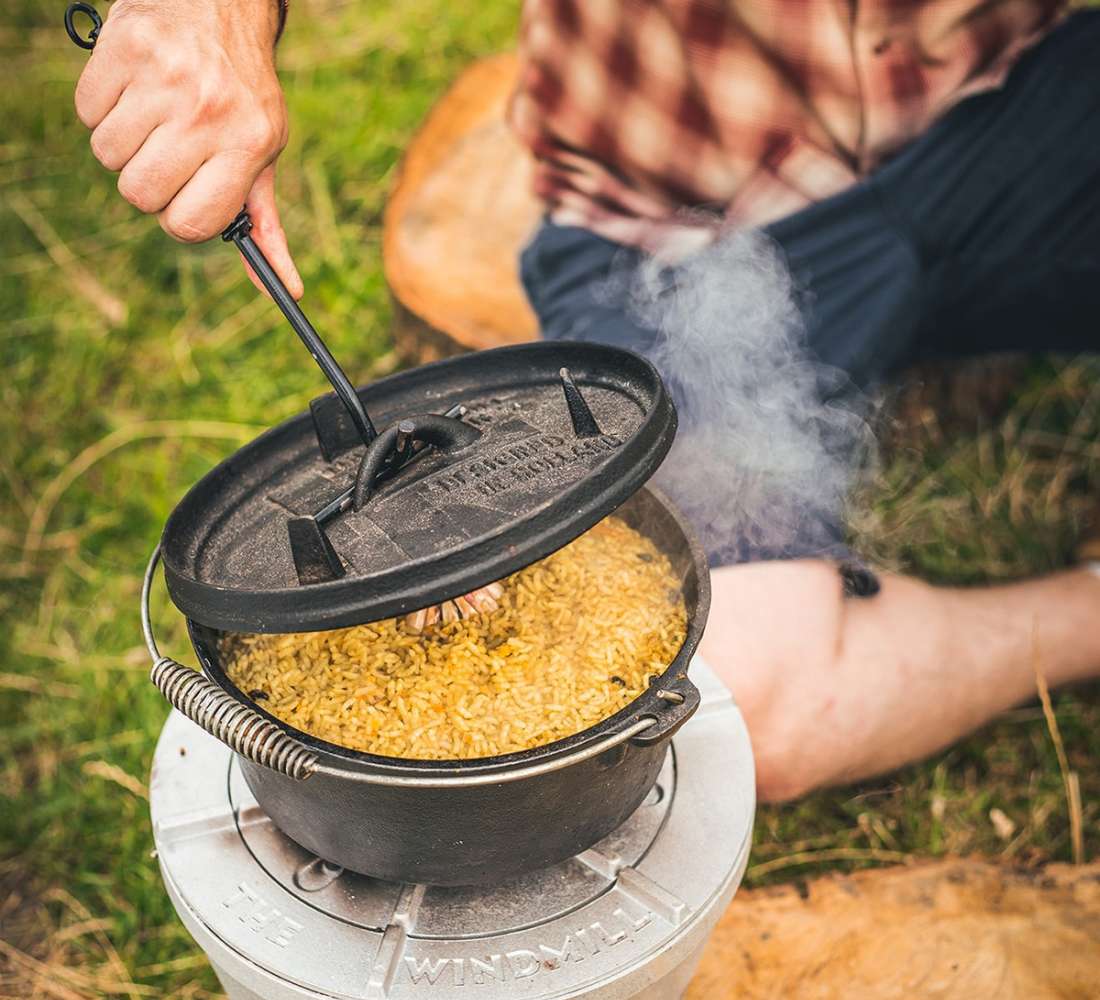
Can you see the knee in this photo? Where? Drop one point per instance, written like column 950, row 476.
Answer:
column 781, row 777
column 775, row 639
column 780, row 717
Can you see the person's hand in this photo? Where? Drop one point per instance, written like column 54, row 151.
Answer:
column 183, row 100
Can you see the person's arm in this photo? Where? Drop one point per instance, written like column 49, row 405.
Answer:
column 836, row 689
column 183, row 100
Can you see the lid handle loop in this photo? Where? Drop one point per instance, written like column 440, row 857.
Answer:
column 446, row 433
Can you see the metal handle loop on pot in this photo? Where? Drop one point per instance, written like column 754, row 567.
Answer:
column 239, row 727
column 679, row 701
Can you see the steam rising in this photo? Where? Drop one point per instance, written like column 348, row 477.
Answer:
column 770, row 438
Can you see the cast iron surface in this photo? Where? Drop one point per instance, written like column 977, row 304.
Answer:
column 451, row 519
column 460, row 835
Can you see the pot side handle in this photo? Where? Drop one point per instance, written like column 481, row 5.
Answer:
column 678, row 701
column 239, row 727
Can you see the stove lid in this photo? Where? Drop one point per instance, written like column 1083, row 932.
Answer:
column 486, row 463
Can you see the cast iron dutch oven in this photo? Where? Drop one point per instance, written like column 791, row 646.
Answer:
column 486, row 463
column 525, row 486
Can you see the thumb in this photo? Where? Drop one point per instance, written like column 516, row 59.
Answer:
column 268, row 233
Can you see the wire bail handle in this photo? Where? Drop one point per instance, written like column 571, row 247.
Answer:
column 89, row 11
column 234, row 723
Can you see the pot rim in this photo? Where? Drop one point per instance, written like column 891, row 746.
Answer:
column 626, row 724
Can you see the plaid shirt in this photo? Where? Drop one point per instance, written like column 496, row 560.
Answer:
column 740, row 110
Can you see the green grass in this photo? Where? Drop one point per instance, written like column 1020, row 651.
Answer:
column 105, row 424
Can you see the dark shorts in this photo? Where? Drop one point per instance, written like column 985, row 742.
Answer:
column 983, row 235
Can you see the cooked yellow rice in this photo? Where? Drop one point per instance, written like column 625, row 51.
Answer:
column 578, row 636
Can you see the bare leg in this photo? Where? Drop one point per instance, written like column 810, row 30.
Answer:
column 837, row 689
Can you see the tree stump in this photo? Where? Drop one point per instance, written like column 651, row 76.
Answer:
column 951, row 930
column 458, row 215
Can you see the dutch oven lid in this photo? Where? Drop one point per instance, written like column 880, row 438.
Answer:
column 487, row 463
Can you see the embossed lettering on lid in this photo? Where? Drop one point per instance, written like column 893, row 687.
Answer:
column 483, row 464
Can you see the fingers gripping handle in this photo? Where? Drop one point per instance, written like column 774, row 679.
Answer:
column 223, row 717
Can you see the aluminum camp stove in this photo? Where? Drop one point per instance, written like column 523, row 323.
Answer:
column 626, row 919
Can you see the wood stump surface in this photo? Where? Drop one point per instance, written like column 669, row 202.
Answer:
column 950, row 930
column 460, row 211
